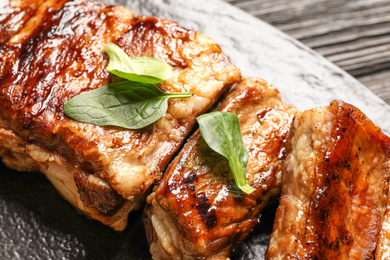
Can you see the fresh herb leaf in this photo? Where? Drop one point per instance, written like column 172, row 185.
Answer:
column 139, row 69
column 130, row 105
column 221, row 131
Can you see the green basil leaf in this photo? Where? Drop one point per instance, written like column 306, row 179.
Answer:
column 139, row 69
column 221, row 131
column 130, row 105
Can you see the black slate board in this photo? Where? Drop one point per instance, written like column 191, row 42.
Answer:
column 36, row 223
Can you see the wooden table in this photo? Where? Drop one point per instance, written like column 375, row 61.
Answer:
column 353, row 34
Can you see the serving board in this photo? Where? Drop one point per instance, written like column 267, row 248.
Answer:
column 36, row 223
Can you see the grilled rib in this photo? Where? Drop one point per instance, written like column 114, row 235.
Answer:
column 382, row 251
column 197, row 212
column 51, row 51
column 335, row 186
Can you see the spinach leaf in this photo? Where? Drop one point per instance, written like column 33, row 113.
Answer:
column 130, row 105
column 139, row 69
column 221, row 131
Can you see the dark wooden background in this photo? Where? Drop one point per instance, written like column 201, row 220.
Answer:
column 353, row 34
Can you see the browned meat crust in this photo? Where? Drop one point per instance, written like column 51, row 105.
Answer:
column 197, row 212
column 335, row 186
column 382, row 251
column 51, row 51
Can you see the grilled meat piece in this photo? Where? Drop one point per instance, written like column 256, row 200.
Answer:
column 197, row 211
column 335, row 186
column 382, row 251
column 51, row 51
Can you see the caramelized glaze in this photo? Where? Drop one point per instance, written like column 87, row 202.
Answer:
column 203, row 212
column 335, row 186
column 51, row 51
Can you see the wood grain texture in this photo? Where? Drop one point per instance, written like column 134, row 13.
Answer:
column 355, row 35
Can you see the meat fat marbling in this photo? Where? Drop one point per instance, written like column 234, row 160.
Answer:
column 335, row 187
column 51, row 51
column 197, row 211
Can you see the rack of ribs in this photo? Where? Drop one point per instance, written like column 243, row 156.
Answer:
column 335, row 187
column 197, row 211
column 51, row 51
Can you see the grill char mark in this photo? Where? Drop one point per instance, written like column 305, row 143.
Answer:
column 54, row 52
column 208, row 211
column 333, row 201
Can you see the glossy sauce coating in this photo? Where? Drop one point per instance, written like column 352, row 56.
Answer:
column 335, row 186
column 198, row 194
column 55, row 53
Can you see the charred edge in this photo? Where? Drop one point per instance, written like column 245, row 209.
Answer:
column 105, row 200
column 189, row 177
column 208, row 216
